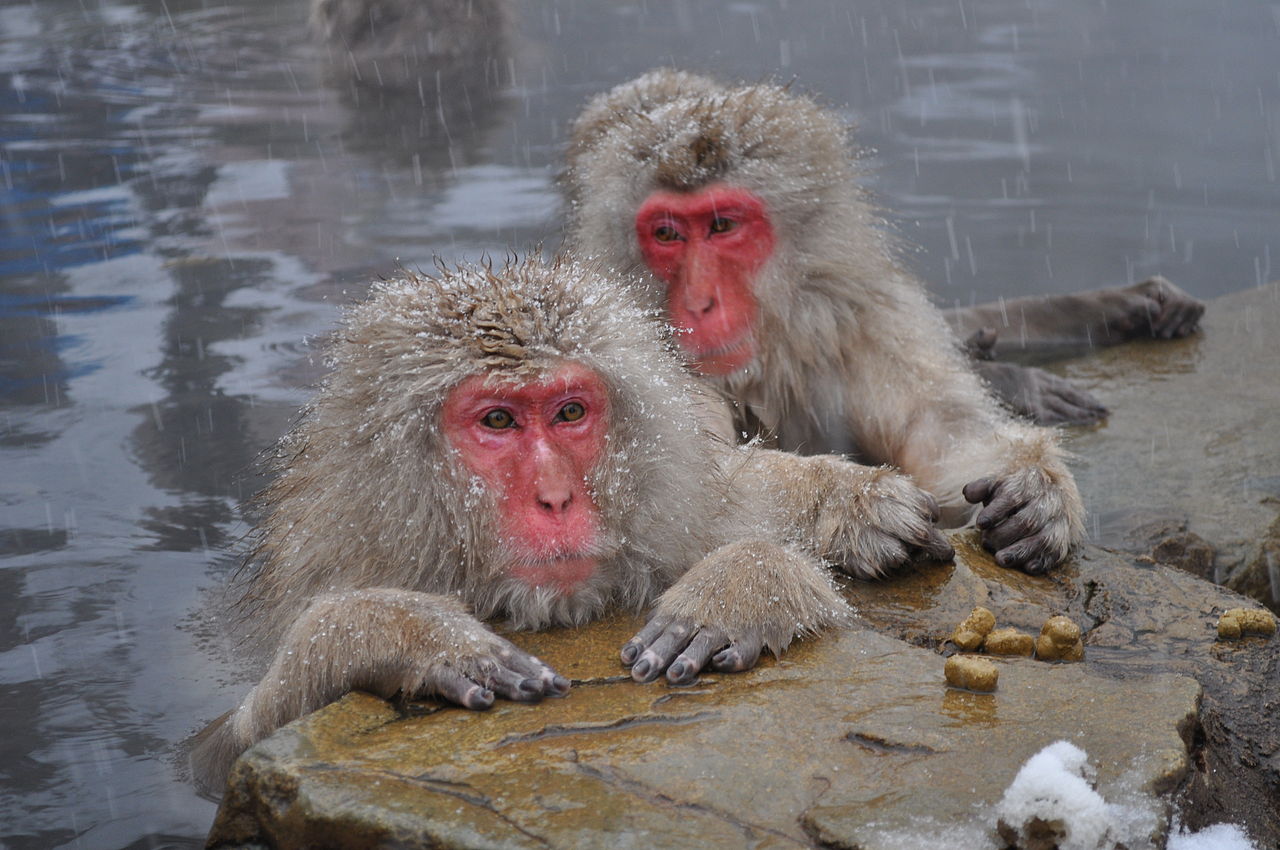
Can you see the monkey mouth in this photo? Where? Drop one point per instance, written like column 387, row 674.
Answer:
column 723, row 359
column 562, row 566
column 562, row 573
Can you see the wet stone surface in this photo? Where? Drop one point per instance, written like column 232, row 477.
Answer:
column 851, row 740
column 1192, row 442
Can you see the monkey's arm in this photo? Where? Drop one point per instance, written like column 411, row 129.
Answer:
column 866, row 520
column 382, row 640
column 1154, row 308
column 920, row 407
column 738, row 600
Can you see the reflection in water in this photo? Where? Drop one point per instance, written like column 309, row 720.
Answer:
column 189, row 189
column 967, row 708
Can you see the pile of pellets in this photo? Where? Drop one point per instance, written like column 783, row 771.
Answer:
column 1060, row 640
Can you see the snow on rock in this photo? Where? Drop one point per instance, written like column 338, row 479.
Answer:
column 1220, row 836
column 1052, row 803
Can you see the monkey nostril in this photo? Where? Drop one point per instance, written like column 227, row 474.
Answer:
column 700, row 308
column 555, row 503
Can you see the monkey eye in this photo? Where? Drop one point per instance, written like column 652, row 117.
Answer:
column 572, row 412
column 665, row 233
column 722, row 225
column 498, row 419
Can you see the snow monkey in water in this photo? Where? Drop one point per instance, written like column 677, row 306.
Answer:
column 525, row 444
column 688, row 135
column 737, row 209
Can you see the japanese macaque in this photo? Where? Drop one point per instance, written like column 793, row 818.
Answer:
column 432, row 49
column 735, row 209
column 524, row 445
column 1154, row 308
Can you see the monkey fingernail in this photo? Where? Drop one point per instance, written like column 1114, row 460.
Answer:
column 560, row 686
column 640, row 672
column 727, row 661
column 478, row 698
column 530, row 687
column 629, row 653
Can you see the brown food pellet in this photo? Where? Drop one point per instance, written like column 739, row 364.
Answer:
column 970, row 634
column 1238, row 622
column 1009, row 642
column 968, row 671
column 1059, row 641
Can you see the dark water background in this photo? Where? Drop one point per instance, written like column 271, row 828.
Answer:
column 187, row 194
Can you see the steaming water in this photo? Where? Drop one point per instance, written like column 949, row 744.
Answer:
column 187, row 195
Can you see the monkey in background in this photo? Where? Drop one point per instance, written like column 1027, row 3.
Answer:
column 736, row 210
column 426, row 48
column 1154, row 308
column 524, row 443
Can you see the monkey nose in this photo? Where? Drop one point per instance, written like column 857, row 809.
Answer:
column 700, row 305
column 554, row 500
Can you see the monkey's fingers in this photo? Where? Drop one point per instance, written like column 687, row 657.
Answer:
column 654, row 660
column 631, row 649
column 514, row 686
column 740, row 655
column 553, row 684
column 1014, row 528
column 935, row 546
column 448, row 684
column 686, row 666
column 980, row 490
column 1006, row 502
column 1183, row 318
column 1027, row 554
column 935, row 511
column 1074, row 405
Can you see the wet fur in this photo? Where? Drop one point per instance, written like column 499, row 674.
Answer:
column 377, row 541
column 852, row 357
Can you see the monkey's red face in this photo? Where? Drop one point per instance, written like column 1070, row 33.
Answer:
column 534, row 446
column 707, row 246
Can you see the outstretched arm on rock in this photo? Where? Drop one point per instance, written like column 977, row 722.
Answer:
column 1152, row 309
column 382, row 640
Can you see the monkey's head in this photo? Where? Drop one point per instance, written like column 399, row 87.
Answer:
column 516, row 436
column 734, row 202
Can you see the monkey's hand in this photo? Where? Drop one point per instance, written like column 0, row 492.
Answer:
column 389, row 641
column 1041, row 396
column 1030, row 517
column 870, row 520
column 459, row 660
column 738, row 600
column 383, row 640
column 504, row 670
column 1156, row 308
